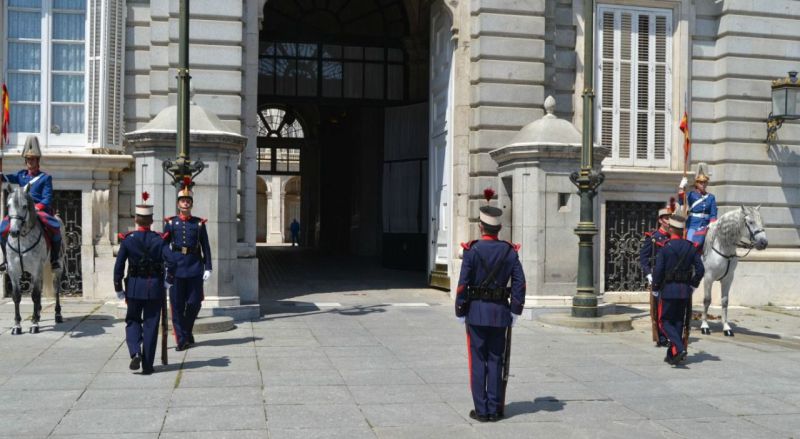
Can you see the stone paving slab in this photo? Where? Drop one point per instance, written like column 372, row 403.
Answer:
column 370, row 369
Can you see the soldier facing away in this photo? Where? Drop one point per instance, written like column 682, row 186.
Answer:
column 652, row 243
column 677, row 273
column 488, row 308
column 142, row 249
column 188, row 258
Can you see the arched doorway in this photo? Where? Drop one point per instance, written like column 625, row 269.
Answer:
column 358, row 74
column 281, row 140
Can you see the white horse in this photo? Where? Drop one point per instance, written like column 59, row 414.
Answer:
column 740, row 228
column 27, row 255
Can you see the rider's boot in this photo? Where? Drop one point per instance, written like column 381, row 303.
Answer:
column 55, row 256
column 3, row 266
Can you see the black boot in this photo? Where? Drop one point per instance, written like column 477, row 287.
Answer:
column 55, row 257
column 3, row 266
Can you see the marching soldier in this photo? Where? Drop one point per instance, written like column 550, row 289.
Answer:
column 482, row 303
column 651, row 244
column 142, row 249
column 188, row 266
column 702, row 206
column 677, row 273
column 41, row 189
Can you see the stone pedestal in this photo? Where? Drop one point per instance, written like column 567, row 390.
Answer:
column 233, row 287
column 534, row 171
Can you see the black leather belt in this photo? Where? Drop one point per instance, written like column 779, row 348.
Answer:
column 478, row 293
column 184, row 250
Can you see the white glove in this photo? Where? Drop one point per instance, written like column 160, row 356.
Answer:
column 462, row 320
column 206, row 275
column 514, row 318
column 167, row 285
column 120, row 295
column 683, row 183
column 649, row 278
column 655, row 293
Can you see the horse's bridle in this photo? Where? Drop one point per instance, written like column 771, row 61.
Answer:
column 748, row 245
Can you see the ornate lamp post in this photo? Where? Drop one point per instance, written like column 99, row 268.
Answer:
column 183, row 168
column 584, row 303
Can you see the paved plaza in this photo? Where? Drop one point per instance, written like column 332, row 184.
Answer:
column 391, row 363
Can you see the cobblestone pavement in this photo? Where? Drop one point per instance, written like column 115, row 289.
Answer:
column 358, row 366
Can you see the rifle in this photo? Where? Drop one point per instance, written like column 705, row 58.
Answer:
column 687, row 324
column 653, row 300
column 506, row 368
column 164, row 329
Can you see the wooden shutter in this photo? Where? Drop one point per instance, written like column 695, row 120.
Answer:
column 106, row 54
column 634, row 85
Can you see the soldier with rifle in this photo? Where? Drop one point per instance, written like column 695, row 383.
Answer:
column 489, row 308
column 651, row 244
column 142, row 250
column 677, row 273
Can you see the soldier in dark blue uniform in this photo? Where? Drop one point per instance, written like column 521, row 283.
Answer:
column 488, row 307
column 678, row 272
column 652, row 243
column 188, row 258
column 142, row 249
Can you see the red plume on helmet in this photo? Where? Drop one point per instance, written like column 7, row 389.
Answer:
column 488, row 194
column 145, row 196
column 671, row 206
column 187, row 181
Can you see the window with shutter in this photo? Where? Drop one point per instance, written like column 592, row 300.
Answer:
column 634, row 82
column 46, row 70
column 105, row 73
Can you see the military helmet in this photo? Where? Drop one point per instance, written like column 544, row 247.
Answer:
column 489, row 215
column 185, row 192
column 703, row 174
column 31, row 148
column 668, row 209
column 677, row 221
column 144, row 209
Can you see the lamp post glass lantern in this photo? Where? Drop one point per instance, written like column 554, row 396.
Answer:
column 785, row 103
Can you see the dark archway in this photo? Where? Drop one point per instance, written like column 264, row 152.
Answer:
column 339, row 65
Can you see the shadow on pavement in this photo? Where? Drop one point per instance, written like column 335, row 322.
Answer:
column 540, row 404
column 196, row 364
column 294, row 309
column 701, row 357
column 226, row 341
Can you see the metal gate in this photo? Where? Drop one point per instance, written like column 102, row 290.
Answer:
column 626, row 222
column 68, row 206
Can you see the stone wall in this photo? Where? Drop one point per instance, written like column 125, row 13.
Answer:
column 507, row 82
column 738, row 48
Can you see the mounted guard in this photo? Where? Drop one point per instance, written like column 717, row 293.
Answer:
column 489, row 308
column 699, row 206
column 40, row 188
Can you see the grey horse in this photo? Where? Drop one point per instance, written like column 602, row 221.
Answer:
column 28, row 254
column 736, row 229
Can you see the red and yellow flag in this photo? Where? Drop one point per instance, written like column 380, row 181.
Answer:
column 6, row 117
column 687, row 143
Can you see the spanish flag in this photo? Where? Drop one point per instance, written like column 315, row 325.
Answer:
column 687, row 143
column 6, row 119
